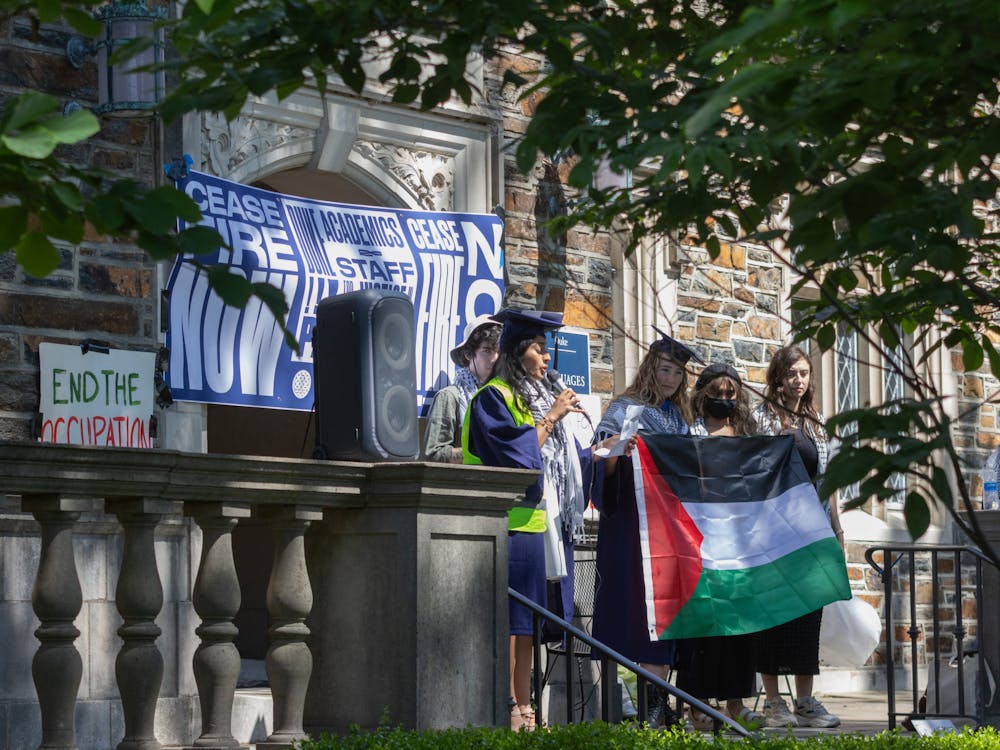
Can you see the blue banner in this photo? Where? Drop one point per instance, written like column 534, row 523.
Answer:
column 449, row 264
column 570, row 354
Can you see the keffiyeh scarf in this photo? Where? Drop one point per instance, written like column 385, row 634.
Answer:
column 667, row 420
column 467, row 385
column 560, row 463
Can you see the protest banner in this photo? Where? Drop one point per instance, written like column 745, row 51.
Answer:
column 97, row 398
column 449, row 264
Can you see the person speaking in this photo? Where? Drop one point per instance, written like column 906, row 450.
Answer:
column 516, row 421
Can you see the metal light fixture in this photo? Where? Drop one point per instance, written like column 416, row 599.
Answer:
column 123, row 90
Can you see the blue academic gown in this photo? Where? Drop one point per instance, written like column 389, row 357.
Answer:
column 620, row 600
column 497, row 441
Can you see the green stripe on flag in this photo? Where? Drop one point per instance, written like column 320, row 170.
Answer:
column 734, row 602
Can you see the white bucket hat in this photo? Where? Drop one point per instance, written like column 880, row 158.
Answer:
column 471, row 327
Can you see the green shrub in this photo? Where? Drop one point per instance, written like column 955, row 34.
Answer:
column 600, row 736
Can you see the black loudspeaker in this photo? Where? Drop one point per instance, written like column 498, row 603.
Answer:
column 364, row 368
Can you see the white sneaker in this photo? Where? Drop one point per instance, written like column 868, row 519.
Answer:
column 778, row 714
column 811, row 713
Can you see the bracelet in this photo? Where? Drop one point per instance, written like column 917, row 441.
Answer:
column 839, row 532
column 547, row 423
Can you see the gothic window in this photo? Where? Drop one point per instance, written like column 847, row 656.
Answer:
column 892, row 390
column 847, row 387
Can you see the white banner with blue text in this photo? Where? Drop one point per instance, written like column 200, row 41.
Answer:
column 449, row 264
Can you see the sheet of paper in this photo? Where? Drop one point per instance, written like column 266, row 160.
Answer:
column 630, row 427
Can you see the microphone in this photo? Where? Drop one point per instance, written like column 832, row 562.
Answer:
column 556, row 381
column 558, row 386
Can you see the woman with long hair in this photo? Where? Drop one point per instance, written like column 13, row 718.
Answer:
column 660, row 390
column 516, row 420
column 793, row 648
column 721, row 667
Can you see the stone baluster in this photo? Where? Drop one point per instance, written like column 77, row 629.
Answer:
column 57, row 598
column 289, row 601
column 139, row 597
column 216, row 599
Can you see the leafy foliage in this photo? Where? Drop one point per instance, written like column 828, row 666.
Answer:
column 599, row 736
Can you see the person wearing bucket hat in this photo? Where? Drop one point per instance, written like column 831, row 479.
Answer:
column 722, row 668
column 475, row 358
column 660, row 388
column 516, row 421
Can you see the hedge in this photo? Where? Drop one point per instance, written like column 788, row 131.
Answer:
column 600, row 736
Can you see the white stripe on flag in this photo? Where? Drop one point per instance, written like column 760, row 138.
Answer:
column 647, row 563
column 748, row 534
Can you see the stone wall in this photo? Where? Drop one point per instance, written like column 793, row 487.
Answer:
column 977, row 432
column 102, row 289
column 570, row 273
column 730, row 307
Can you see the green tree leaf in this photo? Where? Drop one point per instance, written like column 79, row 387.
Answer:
column 73, row 127
column 27, row 109
column 231, row 286
column 13, row 223
column 37, row 255
column 917, row 514
column 35, row 143
column 199, row 240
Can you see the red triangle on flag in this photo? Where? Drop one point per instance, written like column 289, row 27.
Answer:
column 674, row 545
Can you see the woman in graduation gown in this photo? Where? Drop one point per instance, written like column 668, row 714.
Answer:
column 660, row 389
column 516, row 421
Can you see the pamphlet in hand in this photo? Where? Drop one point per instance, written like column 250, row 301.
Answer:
column 615, row 446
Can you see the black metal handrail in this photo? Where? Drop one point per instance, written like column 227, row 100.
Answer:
column 608, row 654
column 884, row 571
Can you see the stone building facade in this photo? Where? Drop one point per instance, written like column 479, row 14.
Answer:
column 734, row 308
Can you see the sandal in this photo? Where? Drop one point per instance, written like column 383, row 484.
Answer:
column 701, row 721
column 529, row 719
column 522, row 718
column 748, row 718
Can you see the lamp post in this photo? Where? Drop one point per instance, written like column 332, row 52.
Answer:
column 124, row 90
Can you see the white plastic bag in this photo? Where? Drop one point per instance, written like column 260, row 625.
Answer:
column 850, row 631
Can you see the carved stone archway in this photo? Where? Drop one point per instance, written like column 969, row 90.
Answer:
column 404, row 158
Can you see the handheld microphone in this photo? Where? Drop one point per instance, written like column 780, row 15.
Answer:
column 558, row 386
column 555, row 381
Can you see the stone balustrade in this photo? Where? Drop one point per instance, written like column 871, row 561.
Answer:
column 387, row 590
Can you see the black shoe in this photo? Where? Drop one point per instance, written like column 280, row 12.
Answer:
column 659, row 715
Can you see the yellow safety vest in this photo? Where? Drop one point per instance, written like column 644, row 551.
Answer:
column 523, row 519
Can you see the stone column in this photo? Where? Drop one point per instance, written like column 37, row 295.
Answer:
column 410, row 620
column 57, row 667
column 216, row 599
column 289, row 602
column 139, row 597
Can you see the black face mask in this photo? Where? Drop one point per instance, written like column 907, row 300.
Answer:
column 720, row 408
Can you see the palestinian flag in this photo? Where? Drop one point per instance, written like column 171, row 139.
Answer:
column 734, row 538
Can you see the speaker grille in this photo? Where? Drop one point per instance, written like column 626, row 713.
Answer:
column 395, row 375
column 364, row 362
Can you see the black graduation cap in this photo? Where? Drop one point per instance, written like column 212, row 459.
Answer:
column 519, row 325
column 673, row 349
column 717, row 370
